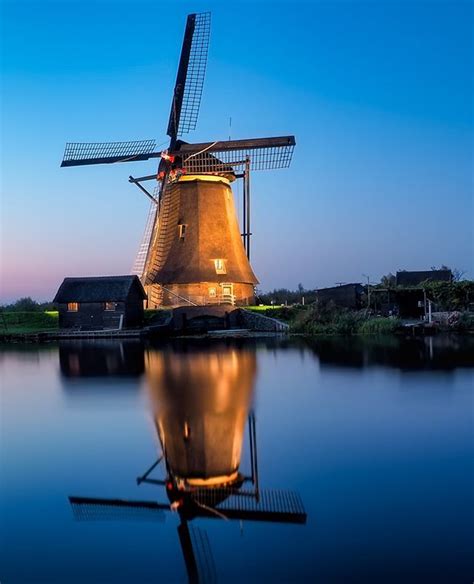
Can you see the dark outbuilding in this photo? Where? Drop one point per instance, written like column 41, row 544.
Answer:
column 103, row 302
column 346, row 295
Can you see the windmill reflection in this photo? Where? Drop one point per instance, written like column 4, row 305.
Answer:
column 201, row 405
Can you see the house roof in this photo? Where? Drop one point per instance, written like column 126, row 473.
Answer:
column 98, row 289
column 354, row 285
column 417, row 277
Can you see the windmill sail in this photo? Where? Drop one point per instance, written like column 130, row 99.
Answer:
column 279, row 506
column 100, row 509
column 262, row 153
column 190, row 78
column 140, row 260
column 197, row 554
column 84, row 153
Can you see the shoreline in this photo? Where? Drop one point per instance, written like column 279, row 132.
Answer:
column 42, row 327
column 45, row 337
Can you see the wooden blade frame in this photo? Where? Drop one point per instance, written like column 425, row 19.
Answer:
column 190, row 77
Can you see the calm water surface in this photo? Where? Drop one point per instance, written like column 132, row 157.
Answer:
column 374, row 437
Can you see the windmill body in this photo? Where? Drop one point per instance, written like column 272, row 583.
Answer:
column 193, row 251
column 200, row 254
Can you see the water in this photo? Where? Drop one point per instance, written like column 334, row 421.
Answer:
column 375, row 436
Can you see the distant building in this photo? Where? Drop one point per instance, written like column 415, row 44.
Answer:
column 346, row 295
column 416, row 278
column 97, row 303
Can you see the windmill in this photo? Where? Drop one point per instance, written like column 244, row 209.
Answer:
column 193, row 251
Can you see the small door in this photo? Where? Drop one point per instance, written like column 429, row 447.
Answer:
column 228, row 293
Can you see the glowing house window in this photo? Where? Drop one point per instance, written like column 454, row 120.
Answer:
column 109, row 305
column 181, row 230
column 212, row 292
column 220, row 266
column 72, row 306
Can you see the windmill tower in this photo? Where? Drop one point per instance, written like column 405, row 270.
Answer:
column 193, row 250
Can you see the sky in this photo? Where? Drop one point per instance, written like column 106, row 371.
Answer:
column 379, row 96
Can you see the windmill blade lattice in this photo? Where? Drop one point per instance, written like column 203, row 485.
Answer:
column 280, row 506
column 190, row 77
column 263, row 154
column 83, row 153
column 205, row 564
column 98, row 509
column 140, row 260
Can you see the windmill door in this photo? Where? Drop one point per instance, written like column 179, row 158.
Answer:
column 228, row 293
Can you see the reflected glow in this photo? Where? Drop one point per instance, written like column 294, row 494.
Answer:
column 200, row 403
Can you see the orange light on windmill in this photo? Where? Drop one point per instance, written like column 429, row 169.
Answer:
column 167, row 156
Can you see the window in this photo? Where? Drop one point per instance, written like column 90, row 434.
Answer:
column 182, row 230
column 72, row 306
column 212, row 292
column 109, row 305
column 220, row 266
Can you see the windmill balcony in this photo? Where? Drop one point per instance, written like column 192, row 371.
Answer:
column 203, row 294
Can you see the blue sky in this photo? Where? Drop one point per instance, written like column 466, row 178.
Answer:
column 378, row 94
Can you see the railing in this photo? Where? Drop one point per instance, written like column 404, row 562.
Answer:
column 187, row 300
column 217, row 300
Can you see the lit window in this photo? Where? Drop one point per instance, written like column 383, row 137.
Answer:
column 109, row 306
column 212, row 292
column 72, row 306
column 220, row 266
column 182, row 230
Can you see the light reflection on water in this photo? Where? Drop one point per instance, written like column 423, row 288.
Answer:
column 374, row 435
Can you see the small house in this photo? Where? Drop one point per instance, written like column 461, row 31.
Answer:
column 345, row 295
column 103, row 302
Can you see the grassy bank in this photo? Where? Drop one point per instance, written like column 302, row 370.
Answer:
column 312, row 320
column 28, row 322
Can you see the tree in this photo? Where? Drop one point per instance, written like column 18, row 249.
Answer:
column 26, row 304
column 388, row 281
column 457, row 274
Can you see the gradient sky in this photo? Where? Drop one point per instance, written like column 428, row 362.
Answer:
column 378, row 94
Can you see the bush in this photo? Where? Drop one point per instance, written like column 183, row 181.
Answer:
column 451, row 295
column 379, row 326
column 465, row 322
column 327, row 319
